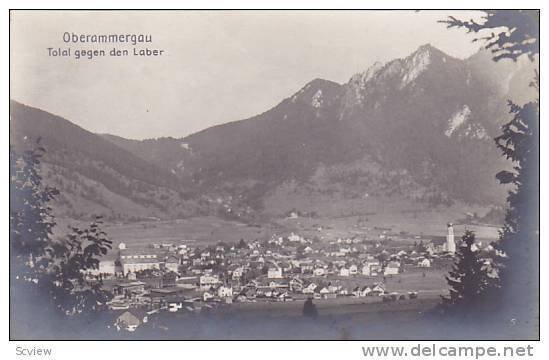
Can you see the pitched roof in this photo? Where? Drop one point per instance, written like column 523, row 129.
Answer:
column 129, row 319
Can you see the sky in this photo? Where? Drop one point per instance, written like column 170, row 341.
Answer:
column 217, row 66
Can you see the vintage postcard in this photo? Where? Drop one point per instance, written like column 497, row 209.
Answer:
column 274, row 175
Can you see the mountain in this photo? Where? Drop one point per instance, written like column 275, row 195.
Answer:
column 94, row 175
column 418, row 129
column 425, row 123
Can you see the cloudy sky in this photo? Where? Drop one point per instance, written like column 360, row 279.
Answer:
column 217, row 66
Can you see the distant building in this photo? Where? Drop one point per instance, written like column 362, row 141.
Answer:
column 425, row 263
column 225, row 291
column 392, row 268
column 319, row 272
column 208, row 281
column 129, row 322
column 443, row 244
column 237, row 273
column 274, row 273
column 294, row 238
column 371, row 268
column 353, row 269
column 450, row 243
column 172, row 264
column 138, row 259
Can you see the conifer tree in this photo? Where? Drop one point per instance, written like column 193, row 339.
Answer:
column 514, row 295
column 309, row 309
column 467, row 279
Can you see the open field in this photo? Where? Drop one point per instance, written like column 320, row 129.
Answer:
column 198, row 230
column 346, row 319
column 207, row 230
column 338, row 216
column 337, row 306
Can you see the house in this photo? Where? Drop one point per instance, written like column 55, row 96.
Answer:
column 310, row 288
column 343, row 291
column 296, row 284
column 172, row 264
column 279, row 284
column 294, row 238
column 306, row 266
column 324, row 290
column 246, row 294
column 237, row 273
column 344, row 272
column 130, row 320
column 274, row 273
column 265, row 291
column 362, row 291
column 392, row 268
column 366, row 270
column 308, row 250
column 424, row 263
column 377, row 290
column 208, row 295
column 319, row 272
column 127, row 289
column 225, row 291
column 207, row 281
column 169, row 279
column 353, row 269
column 187, row 282
column 285, row 297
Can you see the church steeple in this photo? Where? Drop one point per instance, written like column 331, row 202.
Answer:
column 450, row 243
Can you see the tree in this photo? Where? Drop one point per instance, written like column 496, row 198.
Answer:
column 508, row 33
column 519, row 238
column 242, row 244
column 309, row 309
column 48, row 275
column 31, row 219
column 511, row 34
column 467, row 280
column 71, row 257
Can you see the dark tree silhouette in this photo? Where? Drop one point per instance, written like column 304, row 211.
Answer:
column 511, row 34
column 48, row 275
column 242, row 244
column 72, row 257
column 508, row 33
column 309, row 309
column 467, row 280
column 519, row 238
column 31, row 220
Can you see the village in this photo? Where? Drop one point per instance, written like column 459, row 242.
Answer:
column 188, row 278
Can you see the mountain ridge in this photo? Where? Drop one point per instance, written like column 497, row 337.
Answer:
column 419, row 127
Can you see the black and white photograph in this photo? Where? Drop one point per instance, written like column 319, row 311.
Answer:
column 274, row 175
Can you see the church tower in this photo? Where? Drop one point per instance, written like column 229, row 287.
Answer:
column 450, row 243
